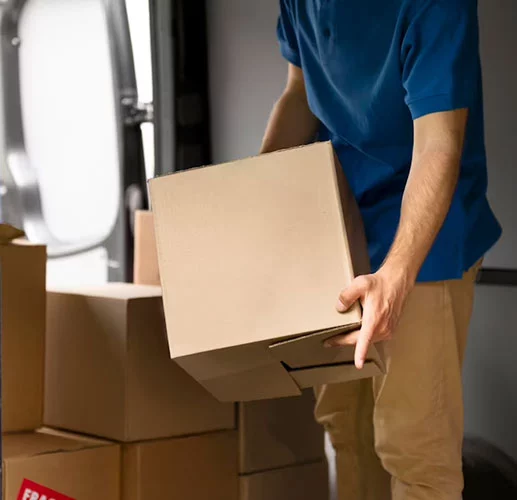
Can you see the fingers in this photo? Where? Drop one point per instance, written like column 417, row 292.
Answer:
column 351, row 294
column 361, row 350
column 364, row 341
column 343, row 340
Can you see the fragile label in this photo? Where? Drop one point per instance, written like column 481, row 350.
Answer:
column 33, row 491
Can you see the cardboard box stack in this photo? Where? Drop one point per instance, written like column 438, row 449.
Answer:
column 23, row 271
column 38, row 464
column 109, row 375
column 251, row 257
column 281, row 450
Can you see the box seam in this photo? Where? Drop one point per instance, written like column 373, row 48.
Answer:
column 59, row 452
column 343, row 226
column 126, row 371
column 284, row 467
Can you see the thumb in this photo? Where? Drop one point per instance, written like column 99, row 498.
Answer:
column 352, row 293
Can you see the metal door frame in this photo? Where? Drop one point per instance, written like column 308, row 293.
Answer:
column 21, row 192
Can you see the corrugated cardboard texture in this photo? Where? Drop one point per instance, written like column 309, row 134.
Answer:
column 258, row 246
column 252, row 253
column 23, row 335
column 279, row 433
column 109, row 372
column 194, row 468
column 146, row 260
column 80, row 468
column 302, row 482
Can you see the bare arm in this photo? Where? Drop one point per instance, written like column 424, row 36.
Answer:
column 438, row 146
column 291, row 122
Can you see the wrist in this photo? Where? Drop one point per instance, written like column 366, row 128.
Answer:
column 403, row 273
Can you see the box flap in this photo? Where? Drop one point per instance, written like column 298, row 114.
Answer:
column 9, row 233
column 252, row 250
column 118, row 291
column 31, row 444
column 89, row 440
column 346, row 372
column 243, row 373
column 263, row 382
column 309, row 350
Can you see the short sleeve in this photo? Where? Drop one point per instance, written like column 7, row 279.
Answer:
column 287, row 35
column 440, row 57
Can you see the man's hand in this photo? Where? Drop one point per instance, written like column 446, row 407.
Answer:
column 438, row 145
column 382, row 296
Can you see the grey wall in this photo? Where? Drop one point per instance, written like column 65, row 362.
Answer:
column 491, row 368
column 247, row 75
column 498, row 20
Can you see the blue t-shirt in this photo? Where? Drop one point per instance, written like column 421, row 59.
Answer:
column 371, row 67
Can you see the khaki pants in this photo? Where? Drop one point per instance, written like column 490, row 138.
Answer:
column 406, row 429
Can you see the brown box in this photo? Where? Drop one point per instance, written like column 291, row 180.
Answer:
column 145, row 268
column 200, row 467
column 301, row 482
column 252, row 257
column 193, row 468
column 77, row 467
column 279, row 432
column 272, row 433
column 23, row 271
column 109, row 373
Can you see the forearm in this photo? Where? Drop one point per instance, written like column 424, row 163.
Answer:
column 426, row 202
column 291, row 123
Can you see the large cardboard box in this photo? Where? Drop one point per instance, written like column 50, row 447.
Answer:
column 277, row 433
column 252, row 257
column 193, row 468
column 109, row 373
column 37, row 465
column 302, row 482
column 272, row 433
column 145, row 266
column 23, row 270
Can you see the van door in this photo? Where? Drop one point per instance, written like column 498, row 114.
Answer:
column 71, row 155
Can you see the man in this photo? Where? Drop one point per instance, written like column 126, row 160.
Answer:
column 396, row 86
